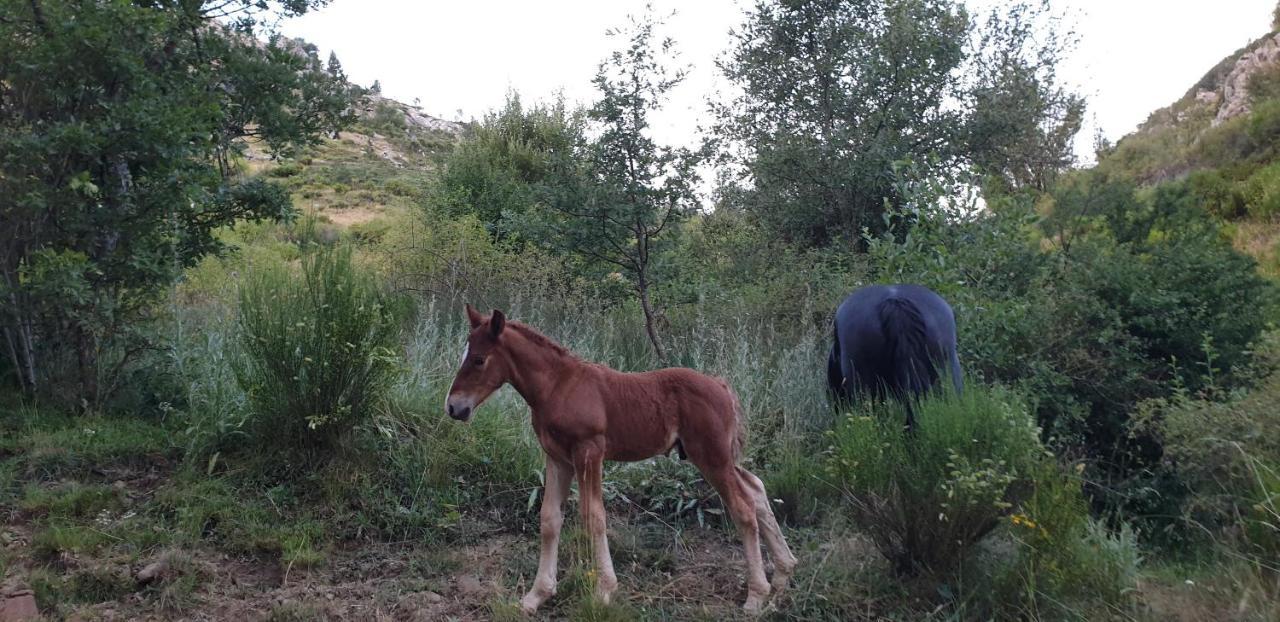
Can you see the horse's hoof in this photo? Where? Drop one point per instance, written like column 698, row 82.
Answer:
column 531, row 601
column 753, row 606
column 780, row 582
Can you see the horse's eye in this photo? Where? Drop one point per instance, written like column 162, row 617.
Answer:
column 479, row 361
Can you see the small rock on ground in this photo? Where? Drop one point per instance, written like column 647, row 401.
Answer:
column 19, row 607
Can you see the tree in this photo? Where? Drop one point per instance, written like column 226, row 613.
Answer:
column 496, row 171
column 833, row 93
column 122, row 126
column 838, row 94
column 1022, row 123
column 617, row 199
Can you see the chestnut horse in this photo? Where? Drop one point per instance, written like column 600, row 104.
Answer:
column 586, row 413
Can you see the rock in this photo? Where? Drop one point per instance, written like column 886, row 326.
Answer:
column 470, row 585
column 153, row 571
column 432, row 597
column 14, row 587
column 1235, row 87
column 19, row 607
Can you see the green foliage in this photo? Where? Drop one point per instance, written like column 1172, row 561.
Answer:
column 44, row 446
column 1052, row 561
column 835, row 94
column 1023, row 121
column 1225, row 451
column 1261, row 192
column 1092, row 319
column 74, row 500
column 618, row 199
column 494, row 174
column 927, row 496
column 122, row 122
column 728, row 267
column 319, row 350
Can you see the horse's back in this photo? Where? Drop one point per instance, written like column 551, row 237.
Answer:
column 647, row 412
column 863, row 310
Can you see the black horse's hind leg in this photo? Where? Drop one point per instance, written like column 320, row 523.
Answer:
column 679, row 447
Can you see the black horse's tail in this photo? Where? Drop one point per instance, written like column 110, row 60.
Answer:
column 908, row 344
column 835, row 369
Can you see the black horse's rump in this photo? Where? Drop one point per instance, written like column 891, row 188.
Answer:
column 891, row 341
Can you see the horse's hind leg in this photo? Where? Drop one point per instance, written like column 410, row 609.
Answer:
column 738, row 500
column 784, row 562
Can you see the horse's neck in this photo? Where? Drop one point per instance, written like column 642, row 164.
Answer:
column 537, row 368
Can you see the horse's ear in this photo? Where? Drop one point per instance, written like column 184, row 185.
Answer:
column 497, row 322
column 474, row 316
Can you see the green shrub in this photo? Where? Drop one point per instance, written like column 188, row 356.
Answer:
column 319, row 349
column 1217, row 194
column 926, row 496
column 285, row 169
column 1262, row 192
column 1090, row 312
column 1226, row 452
column 1052, row 560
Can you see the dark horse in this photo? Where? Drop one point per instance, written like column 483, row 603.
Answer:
column 891, row 341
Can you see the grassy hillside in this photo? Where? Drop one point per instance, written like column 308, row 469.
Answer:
column 381, row 165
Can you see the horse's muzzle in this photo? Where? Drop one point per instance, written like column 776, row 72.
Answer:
column 461, row 412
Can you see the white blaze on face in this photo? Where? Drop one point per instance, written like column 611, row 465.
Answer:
column 466, row 349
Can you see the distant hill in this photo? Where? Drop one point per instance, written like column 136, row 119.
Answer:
column 382, row 162
column 1222, row 138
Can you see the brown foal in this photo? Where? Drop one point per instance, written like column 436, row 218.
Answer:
column 586, row 413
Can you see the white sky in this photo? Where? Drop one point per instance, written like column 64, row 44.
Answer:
column 460, row 58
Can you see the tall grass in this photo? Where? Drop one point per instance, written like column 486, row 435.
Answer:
column 319, row 349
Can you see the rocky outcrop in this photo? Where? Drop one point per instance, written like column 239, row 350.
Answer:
column 1235, row 86
column 413, row 116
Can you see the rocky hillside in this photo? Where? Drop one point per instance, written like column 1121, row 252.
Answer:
column 1221, row 139
column 1219, row 111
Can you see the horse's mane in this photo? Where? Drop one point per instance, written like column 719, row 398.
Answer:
column 539, row 339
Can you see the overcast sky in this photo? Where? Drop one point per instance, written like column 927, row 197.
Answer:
column 458, row 59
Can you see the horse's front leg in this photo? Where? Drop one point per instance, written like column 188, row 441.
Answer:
column 554, row 492
column 589, row 463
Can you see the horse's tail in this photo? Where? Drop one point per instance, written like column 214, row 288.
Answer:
column 835, row 369
column 908, row 343
column 739, row 442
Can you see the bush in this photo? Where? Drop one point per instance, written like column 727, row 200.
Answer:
column 285, row 169
column 1262, row 192
column 1225, row 453
column 926, row 496
column 1053, row 561
column 1089, row 312
column 318, row 349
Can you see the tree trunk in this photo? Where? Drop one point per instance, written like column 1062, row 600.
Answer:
column 21, row 341
column 642, row 287
column 87, row 363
